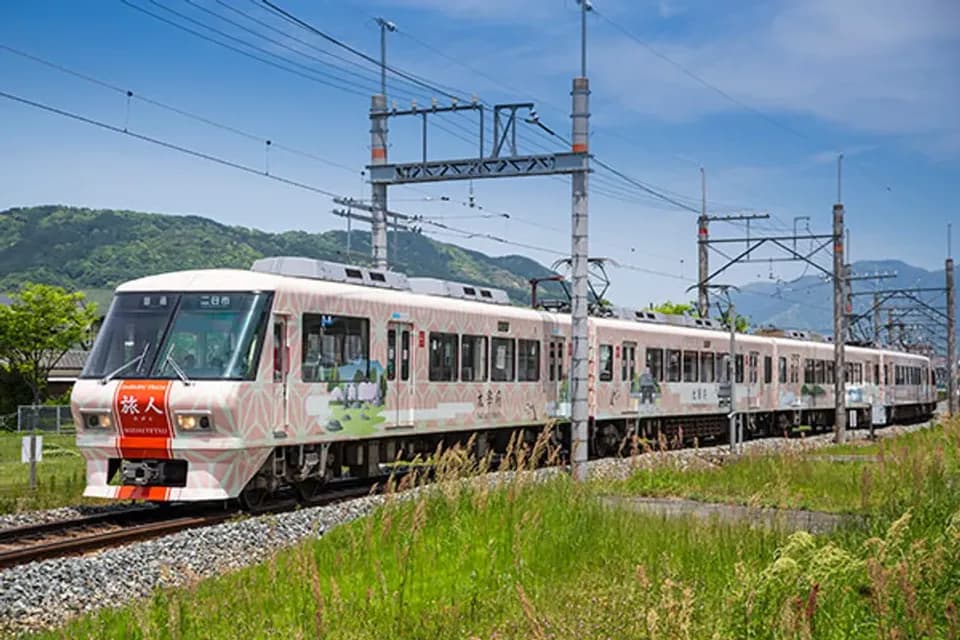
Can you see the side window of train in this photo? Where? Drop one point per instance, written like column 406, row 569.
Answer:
column 808, row 369
column 707, row 368
column 528, row 360
column 723, row 367
column 795, row 368
column 443, row 357
column 739, row 367
column 502, row 356
column 473, row 358
column 628, row 365
column 405, row 355
column 673, row 365
column 335, row 348
column 606, row 362
column 555, row 360
column 690, row 362
column 753, row 361
column 782, row 369
column 819, row 371
column 831, row 372
column 391, row 354
column 767, row 369
column 654, row 363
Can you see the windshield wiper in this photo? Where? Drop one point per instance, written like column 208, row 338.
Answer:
column 136, row 360
column 176, row 368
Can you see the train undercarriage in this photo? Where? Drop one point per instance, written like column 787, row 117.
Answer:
column 305, row 472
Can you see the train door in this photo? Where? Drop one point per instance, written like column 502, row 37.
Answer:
column 558, row 385
column 281, row 371
column 400, row 378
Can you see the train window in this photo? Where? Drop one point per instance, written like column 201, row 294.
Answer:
column 606, row 362
column 405, row 355
column 876, row 373
column 707, row 369
column 654, row 363
column 502, row 352
column 831, row 372
column 819, row 372
column 391, row 354
column 739, row 367
column 886, row 374
column 808, row 369
column 795, row 368
column 690, row 361
column 528, row 360
column 628, row 365
column 866, row 374
column 335, row 348
column 473, row 358
column 555, row 359
column 673, row 365
column 723, row 367
column 782, row 369
column 753, row 362
column 443, row 357
column 767, row 369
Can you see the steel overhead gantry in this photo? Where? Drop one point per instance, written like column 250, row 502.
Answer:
column 512, row 164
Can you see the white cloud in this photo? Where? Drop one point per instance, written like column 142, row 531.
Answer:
column 888, row 68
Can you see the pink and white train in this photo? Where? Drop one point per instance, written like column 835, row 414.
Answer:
column 219, row 384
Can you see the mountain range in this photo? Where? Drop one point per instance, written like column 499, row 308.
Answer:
column 96, row 249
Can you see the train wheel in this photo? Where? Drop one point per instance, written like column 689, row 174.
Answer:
column 255, row 499
column 310, row 489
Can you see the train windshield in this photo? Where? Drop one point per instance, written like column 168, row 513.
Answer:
column 197, row 336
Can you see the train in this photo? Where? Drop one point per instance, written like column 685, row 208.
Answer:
column 224, row 384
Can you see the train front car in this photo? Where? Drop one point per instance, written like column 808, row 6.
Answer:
column 176, row 400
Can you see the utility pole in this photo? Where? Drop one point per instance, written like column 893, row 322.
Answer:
column 951, row 340
column 876, row 319
column 732, row 373
column 839, row 330
column 703, row 260
column 579, row 366
column 378, row 154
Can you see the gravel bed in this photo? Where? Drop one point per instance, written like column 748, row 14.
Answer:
column 60, row 513
column 47, row 593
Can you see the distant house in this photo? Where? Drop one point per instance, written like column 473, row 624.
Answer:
column 66, row 371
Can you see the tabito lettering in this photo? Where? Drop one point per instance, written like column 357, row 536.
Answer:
column 128, row 405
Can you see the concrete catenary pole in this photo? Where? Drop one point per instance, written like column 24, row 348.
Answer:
column 732, row 375
column 951, row 339
column 703, row 260
column 378, row 154
column 839, row 330
column 876, row 321
column 579, row 367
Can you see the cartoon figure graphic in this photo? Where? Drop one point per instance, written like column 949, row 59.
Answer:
column 648, row 387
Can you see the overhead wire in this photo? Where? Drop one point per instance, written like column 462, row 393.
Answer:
column 168, row 145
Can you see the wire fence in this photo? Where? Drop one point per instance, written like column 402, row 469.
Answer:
column 45, row 418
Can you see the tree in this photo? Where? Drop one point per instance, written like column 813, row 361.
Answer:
column 677, row 309
column 40, row 325
column 690, row 309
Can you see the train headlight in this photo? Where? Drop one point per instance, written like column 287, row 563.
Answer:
column 194, row 422
column 97, row 420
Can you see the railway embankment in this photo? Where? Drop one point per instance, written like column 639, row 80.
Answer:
column 532, row 554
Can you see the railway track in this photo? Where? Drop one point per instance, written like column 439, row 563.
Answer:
column 29, row 543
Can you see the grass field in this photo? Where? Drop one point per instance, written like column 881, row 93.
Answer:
column 546, row 560
column 60, row 476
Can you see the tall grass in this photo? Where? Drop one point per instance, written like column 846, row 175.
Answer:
column 60, row 476
column 513, row 557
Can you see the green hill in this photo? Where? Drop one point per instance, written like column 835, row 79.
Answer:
column 96, row 249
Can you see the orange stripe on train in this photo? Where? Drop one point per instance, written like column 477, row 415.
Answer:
column 128, row 492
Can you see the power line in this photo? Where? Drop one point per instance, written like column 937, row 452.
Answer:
column 343, row 45
column 311, row 74
column 177, row 110
column 167, row 145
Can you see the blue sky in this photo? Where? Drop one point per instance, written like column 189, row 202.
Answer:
column 803, row 81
